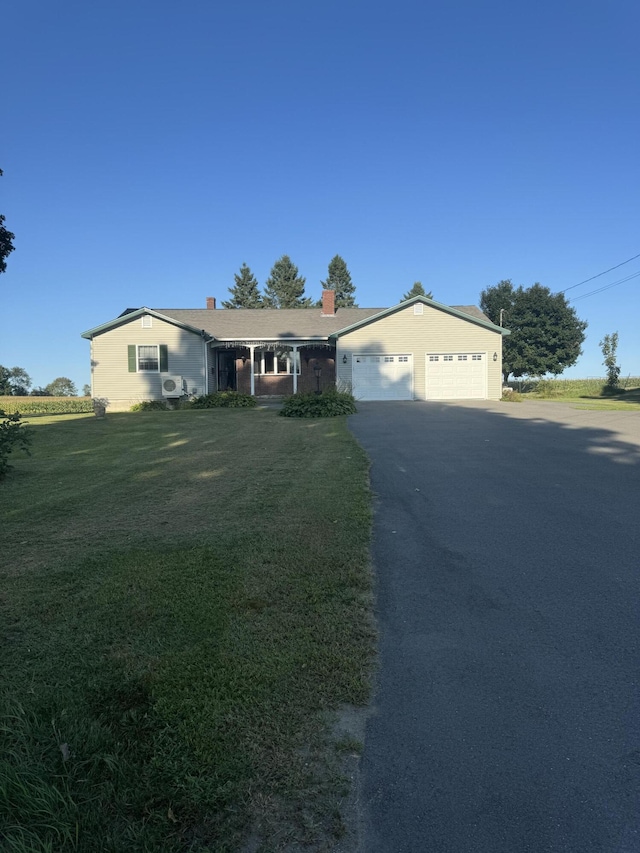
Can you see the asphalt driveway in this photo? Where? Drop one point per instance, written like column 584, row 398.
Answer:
column 507, row 558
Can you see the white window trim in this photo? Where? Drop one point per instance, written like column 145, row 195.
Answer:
column 145, row 369
column 259, row 357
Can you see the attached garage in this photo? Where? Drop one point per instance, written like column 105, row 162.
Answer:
column 382, row 376
column 421, row 350
column 456, row 376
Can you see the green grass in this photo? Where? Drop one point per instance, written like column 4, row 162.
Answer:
column 185, row 596
column 584, row 393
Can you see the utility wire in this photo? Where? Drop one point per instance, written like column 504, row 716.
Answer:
column 605, row 287
column 599, row 274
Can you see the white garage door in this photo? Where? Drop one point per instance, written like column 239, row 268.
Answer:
column 456, row 376
column 383, row 377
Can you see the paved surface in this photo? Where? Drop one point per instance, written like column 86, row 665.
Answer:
column 507, row 558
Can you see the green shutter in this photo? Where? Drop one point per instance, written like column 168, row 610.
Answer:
column 132, row 358
column 164, row 358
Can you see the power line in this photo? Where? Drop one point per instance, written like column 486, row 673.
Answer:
column 599, row 274
column 605, row 287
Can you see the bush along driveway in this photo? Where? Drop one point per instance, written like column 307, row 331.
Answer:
column 187, row 600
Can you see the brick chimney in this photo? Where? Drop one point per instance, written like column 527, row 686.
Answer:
column 328, row 303
column 211, row 303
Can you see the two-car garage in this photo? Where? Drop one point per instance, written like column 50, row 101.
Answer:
column 448, row 376
column 421, row 350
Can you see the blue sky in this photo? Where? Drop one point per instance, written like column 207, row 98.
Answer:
column 149, row 148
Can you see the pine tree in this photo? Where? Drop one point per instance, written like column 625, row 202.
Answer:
column 416, row 290
column 339, row 279
column 244, row 293
column 285, row 288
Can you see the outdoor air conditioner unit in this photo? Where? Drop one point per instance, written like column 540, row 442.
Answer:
column 172, row 386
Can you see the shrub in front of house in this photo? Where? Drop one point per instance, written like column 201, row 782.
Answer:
column 224, row 400
column 329, row 404
column 149, row 406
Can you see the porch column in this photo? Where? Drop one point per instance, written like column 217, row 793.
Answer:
column 294, row 348
column 253, row 375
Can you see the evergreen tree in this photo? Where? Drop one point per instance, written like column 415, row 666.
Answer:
column 285, row 288
column 417, row 290
column 244, row 293
column 339, row 279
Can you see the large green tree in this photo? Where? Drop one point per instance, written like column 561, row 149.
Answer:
column 14, row 381
column 546, row 333
column 416, row 290
column 285, row 288
column 245, row 292
column 6, row 242
column 339, row 279
column 61, row 387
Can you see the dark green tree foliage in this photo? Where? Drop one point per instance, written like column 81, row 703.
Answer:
column 416, row 290
column 609, row 347
column 6, row 242
column 546, row 333
column 499, row 298
column 14, row 381
column 339, row 279
column 285, row 288
column 245, row 292
column 14, row 435
column 61, row 387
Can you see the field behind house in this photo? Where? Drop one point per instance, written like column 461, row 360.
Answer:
column 185, row 595
column 588, row 393
column 46, row 405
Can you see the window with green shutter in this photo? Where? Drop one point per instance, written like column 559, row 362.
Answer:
column 148, row 358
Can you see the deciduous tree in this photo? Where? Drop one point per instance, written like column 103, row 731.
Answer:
column 416, row 290
column 6, row 242
column 285, row 288
column 609, row 347
column 14, row 381
column 546, row 333
column 339, row 279
column 61, row 387
column 245, row 292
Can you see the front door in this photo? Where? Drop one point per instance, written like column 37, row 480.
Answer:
column 227, row 370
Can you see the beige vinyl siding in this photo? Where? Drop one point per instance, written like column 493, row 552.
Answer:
column 415, row 334
column 110, row 368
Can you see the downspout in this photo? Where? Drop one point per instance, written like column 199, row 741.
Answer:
column 205, row 364
column 295, row 368
column 253, row 375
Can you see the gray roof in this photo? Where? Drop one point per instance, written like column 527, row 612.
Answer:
column 266, row 323
column 247, row 323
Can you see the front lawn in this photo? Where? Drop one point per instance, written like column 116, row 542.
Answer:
column 185, row 595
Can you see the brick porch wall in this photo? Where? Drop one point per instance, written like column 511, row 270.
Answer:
column 282, row 384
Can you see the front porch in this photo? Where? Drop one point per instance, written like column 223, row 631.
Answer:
column 265, row 369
